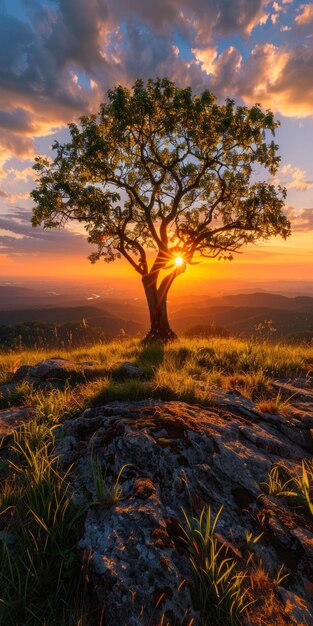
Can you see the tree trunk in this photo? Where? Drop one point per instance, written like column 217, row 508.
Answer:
column 160, row 330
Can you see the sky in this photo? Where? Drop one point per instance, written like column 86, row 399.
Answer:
column 58, row 58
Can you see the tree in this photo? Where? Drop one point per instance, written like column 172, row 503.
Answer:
column 161, row 169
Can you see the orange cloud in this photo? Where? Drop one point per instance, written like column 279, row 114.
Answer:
column 300, row 220
column 306, row 17
column 206, row 57
column 276, row 77
column 298, row 178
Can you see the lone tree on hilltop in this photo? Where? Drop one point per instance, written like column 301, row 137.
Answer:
column 161, row 169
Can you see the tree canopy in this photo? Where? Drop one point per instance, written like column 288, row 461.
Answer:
column 161, row 168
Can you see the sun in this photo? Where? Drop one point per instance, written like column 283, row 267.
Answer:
column 179, row 261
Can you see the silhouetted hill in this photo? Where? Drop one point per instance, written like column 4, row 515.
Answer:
column 108, row 322
column 15, row 297
column 239, row 313
column 270, row 300
column 255, row 300
column 243, row 320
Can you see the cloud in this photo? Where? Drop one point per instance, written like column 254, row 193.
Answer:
column 56, row 64
column 16, row 120
column 206, row 57
column 23, row 239
column 298, row 178
column 274, row 76
column 306, row 15
column 24, row 174
column 224, row 69
column 203, row 18
column 301, row 221
column 18, row 196
column 37, row 59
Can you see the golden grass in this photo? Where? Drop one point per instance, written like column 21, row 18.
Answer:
column 31, row 485
column 188, row 369
column 226, row 355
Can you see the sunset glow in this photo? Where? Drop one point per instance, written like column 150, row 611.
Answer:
column 179, row 261
column 156, row 305
column 259, row 52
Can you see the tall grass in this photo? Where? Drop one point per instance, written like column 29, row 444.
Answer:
column 297, row 487
column 41, row 581
column 220, row 592
column 194, row 355
column 194, row 370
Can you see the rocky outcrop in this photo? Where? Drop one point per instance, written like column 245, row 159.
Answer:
column 53, row 370
column 59, row 370
column 130, row 370
column 12, row 418
column 178, row 455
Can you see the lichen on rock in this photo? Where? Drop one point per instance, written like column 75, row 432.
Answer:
column 178, row 455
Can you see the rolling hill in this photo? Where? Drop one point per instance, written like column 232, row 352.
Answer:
column 109, row 323
column 239, row 313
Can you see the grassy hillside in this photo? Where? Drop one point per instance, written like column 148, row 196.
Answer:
column 44, row 584
column 185, row 369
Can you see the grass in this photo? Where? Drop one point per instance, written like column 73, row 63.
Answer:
column 230, row 588
column 41, row 582
column 194, row 356
column 252, row 385
column 276, row 406
column 39, row 521
column 265, row 608
column 193, row 370
column 220, row 592
column 107, row 492
column 15, row 396
column 298, row 488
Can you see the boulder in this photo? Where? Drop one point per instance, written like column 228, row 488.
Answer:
column 21, row 373
column 7, row 390
column 176, row 456
column 51, row 370
column 130, row 370
column 296, row 608
column 10, row 419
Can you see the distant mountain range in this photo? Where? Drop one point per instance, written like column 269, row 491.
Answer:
column 12, row 297
column 239, row 313
column 243, row 312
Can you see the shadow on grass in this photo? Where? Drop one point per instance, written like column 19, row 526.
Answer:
column 147, row 383
column 148, row 360
column 124, row 390
column 130, row 390
column 15, row 395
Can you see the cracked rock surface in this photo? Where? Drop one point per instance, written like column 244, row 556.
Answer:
column 179, row 455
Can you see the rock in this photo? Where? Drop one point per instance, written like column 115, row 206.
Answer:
column 305, row 538
column 7, row 390
column 144, row 488
column 11, row 419
column 131, row 370
column 21, row 373
column 298, row 390
column 296, row 608
column 178, row 455
column 89, row 363
column 55, row 369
